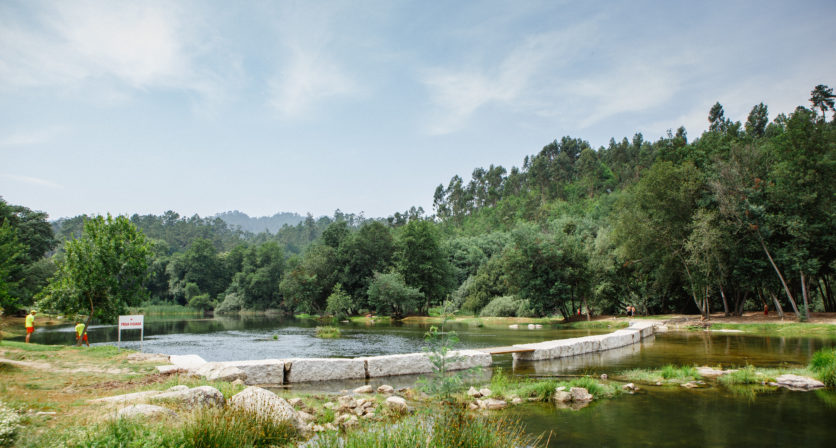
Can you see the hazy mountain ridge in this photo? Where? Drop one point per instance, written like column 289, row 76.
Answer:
column 260, row 224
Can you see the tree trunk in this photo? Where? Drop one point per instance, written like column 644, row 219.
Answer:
column 707, row 305
column 89, row 320
column 777, row 271
column 777, row 305
column 588, row 317
column 691, row 281
column 829, row 302
column 804, row 295
column 725, row 302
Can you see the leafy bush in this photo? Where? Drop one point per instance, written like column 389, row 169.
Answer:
column 232, row 302
column 201, row 302
column 389, row 294
column 339, row 303
column 9, row 425
column 505, row 306
column 823, row 363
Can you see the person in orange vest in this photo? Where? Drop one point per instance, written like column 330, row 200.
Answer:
column 80, row 333
column 30, row 324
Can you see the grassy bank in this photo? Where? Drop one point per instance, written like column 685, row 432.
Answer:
column 165, row 310
column 787, row 329
column 506, row 387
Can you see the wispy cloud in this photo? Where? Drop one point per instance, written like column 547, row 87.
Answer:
column 30, row 180
column 110, row 47
column 513, row 81
column 309, row 70
column 31, row 137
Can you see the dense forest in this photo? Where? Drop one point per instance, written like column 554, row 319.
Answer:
column 738, row 218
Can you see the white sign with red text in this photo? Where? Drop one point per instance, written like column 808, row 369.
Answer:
column 132, row 322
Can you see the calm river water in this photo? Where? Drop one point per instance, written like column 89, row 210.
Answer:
column 654, row 416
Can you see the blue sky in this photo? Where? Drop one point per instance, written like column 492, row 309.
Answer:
column 267, row 106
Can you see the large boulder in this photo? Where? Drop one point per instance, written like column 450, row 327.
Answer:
column 797, row 382
column 267, row 404
column 144, row 410
column 216, row 371
column 397, row 404
column 580, row 394
column 198, row 397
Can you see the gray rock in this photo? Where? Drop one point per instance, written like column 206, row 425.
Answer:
column 144, row 410
column 217, row 371
column 187, row 362
column 689, row 385
column 178, row 388
column 516, row 400
column 492, row 404
column 709, row 372
column 797, row 382
column 580, row 394
column 472, row 392
column 168, row 369
column 604, row 376
column 561, row 396
column 266, row 404
column 385, row 389
column 485, row 392
column 397, row 404
column 367, row 389
column 473, row 406
column 629, row 387
column 198, row 397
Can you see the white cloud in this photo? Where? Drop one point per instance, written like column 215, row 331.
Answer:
column 31, row 181
column 109, row 47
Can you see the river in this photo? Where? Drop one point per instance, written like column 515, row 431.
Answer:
column 654, row 416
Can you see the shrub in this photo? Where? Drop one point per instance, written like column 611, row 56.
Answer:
column 232, row 302
column 201, row 302
column 823, row 363
column 505, row 306
column 339, row 303
column 9, row 425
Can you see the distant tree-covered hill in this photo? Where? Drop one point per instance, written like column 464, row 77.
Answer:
column 257, row 225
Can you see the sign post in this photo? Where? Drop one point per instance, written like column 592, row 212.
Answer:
column 131, row 322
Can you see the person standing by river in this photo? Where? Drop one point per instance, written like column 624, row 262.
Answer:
column 30, row 324
column 80, row 334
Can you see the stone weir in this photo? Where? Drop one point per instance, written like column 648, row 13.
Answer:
column 302, row 370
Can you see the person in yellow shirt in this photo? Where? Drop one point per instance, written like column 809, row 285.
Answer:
column 80, row 334
column 30, row 324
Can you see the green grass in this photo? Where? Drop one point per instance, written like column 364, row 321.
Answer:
column 327, row 332
column 32, row 347
column 789, row 329
column 668, row 374
column 504, row 386
column 448, row 430
column 745, row 375
column 365, row 320
column 306, row 316
column 165, row 310
column 823, row 364
column 596, row 324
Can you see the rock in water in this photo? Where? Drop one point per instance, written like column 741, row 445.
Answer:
column 580, row 394
column 561, row 396
column 364, row 390
column 493, row 404
column 797, row 382
column 266, row 404
column 385, row 389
